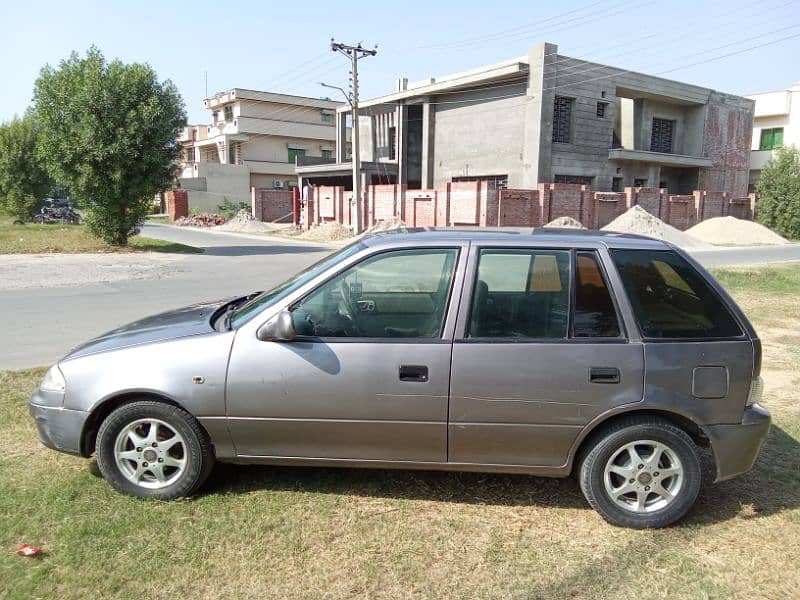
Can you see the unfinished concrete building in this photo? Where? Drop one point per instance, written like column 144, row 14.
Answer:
column 546, row 117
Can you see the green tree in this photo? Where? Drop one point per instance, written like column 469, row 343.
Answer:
column 779, row 193
column 23, row 179
column 109, row 131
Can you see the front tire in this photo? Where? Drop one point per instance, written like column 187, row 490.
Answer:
column 642, row 473
column 151, row 449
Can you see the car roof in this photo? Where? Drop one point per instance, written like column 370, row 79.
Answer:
column 514, row 236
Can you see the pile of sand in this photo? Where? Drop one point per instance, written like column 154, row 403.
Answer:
column 566, row 223
column 638, row 221
column 327, row 232
column 245, row 222
column 730, row 231
column 387, row 225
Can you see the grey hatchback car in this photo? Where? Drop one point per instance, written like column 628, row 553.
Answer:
column 548, row 352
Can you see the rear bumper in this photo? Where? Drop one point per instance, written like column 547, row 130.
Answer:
column 736, row 447
column 59, row 428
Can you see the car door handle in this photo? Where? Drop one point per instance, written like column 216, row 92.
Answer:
column 413, row 373
column 604, row 375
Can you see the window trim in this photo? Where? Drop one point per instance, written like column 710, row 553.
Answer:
column 771, row 131
column 745, row 336
column 386, row 340
column 462, row 333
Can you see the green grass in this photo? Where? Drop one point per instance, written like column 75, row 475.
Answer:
column 159, row 219
column 35, row 239
column 310, row 532
column 784, row 279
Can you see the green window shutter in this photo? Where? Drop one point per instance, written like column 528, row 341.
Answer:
column 777, row 138
column 766, row 139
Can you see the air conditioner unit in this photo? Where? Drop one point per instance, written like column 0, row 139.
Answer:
column 291, row 184
column 277, row 184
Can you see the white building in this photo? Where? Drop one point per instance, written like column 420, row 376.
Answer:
column 254, row 140
column 776, row 123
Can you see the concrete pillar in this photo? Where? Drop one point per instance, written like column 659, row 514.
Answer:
column 538, row 127
column 402, row 143
column 428, row 126
column 341, row 137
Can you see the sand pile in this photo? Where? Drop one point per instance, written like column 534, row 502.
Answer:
column 730, row 231
column 387, row 225
column 245, row 222
column 327, row 232
column 637, row 220
column 566, row 223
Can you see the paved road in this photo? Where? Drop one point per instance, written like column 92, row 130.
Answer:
column 42, row 324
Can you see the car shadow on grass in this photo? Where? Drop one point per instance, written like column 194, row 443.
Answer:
column 772, row 486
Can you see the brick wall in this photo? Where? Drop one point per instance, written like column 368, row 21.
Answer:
column 681, row 211
column 607, row 206
column 519, row 208
column 464, row 200
column 711, row 204
column 384, row 201
column 177, row 204
column 653, row 200
column 565, row 200
column 271, row 205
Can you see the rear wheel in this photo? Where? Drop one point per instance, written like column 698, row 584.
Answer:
column 153, row 450
column 642, row 473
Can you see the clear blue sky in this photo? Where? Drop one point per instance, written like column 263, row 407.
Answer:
column 284, row 46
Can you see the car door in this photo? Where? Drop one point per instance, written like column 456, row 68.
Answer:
column 540, row 351
column 367, row 376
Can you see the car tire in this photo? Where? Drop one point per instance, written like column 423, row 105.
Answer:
column 641, row 473
column 151, row 449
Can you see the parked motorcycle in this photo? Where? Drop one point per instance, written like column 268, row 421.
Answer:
column 57, row 214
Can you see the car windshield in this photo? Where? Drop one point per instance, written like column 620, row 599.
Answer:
column 257, row 304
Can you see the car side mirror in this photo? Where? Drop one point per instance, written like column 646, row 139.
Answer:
column 279, row 329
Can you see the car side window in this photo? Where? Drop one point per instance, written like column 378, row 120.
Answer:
column 398, row 294
column 594, row 311
column 670, row 298
column 521, row 293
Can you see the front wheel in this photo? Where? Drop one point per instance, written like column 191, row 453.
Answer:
column 153, row 450
column 642, row 473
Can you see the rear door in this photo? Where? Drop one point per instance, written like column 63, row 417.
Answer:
column 539, row 352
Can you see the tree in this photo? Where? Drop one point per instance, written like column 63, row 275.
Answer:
column 23, row 179
column 109, row 131
column 779, row 193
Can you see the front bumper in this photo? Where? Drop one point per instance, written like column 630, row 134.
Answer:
column 59, row 428
column 736, row 447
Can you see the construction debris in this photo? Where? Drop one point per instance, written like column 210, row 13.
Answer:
column 638, row 221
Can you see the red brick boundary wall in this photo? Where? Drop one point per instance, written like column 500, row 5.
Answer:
column 177, row 203
column 607, row 206
column 474, row 203
column 271, row 206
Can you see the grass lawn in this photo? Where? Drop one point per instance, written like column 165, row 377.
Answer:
column 36, row 239
column 293, row 532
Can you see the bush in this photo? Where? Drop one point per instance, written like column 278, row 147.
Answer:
column 229, row 209
column 779, row 193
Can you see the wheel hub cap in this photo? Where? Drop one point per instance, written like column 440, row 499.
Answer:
column 150, row 453
column 643, row 476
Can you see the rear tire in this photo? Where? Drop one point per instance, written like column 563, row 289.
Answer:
column 641, row 473
column 151, row 449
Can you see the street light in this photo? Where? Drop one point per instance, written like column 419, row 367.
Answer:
column 336, row 87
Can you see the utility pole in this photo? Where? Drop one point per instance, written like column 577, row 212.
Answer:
column 354, row 53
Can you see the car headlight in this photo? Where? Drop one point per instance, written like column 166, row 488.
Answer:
column 756, row 392
column 53, row 380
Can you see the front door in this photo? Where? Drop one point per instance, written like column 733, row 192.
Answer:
column 543, row 352
column 366, row 378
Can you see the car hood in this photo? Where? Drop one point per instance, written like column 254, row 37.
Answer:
column 190, row 320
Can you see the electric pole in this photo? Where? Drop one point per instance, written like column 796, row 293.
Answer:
column 354, row 53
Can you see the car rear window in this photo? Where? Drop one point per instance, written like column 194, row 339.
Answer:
column 670, row 298
column 595, row 315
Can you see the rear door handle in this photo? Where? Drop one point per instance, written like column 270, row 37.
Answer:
column 413, row 373
column 604, row 375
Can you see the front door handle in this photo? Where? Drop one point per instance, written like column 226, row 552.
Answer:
column 413, row 373
column 604, row 375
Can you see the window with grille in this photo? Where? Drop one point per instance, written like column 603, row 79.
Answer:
column 579, row 179
column 189, row 154
column 232, row 154
column 661, row 135
column 616, row 184
column 392, row 143
column 562, row 119
column 601, row 109
column 327, row 118
column 327, row 154
column 294, row 153
column 771, row 138
column 229, row 113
